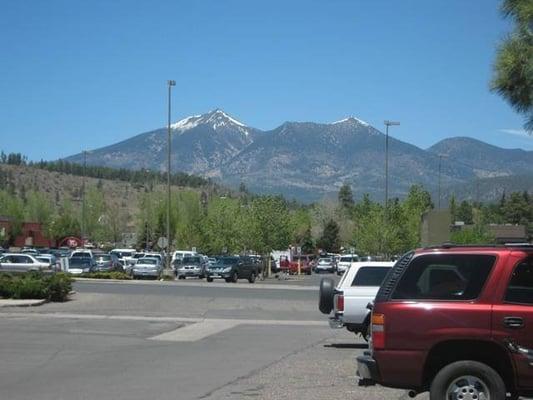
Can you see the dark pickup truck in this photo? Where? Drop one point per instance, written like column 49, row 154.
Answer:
column 457, row 321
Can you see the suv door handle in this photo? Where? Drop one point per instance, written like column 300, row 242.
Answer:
column 514, row 322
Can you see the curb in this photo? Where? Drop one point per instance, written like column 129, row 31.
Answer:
column 21, row 303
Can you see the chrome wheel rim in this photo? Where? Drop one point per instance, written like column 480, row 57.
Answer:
column 468, row 388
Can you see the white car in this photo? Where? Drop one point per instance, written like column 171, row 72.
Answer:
column 179, row 254
column 347, row 303
column 345, row 262
column 19, row 262
column 124, row 255
column 82, row 253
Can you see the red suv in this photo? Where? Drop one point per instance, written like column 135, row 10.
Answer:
column 457, row 321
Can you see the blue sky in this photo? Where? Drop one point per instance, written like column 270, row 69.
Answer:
column 84, row 74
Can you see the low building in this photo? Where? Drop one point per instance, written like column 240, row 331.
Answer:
column 31, row 234
column 508, row 233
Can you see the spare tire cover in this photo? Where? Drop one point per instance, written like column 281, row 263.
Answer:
column 327, row 291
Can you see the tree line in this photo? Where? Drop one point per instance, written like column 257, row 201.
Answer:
column 93, row 171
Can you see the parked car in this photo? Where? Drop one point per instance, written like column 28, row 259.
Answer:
column 82, row 253
column 51, row 260
column 147, row 267
column 347, row 303
column 302, row 263
column 325, row 265
column 80, row 265
column 457, row 321
column 233, row 268
column 133, row 260
column 123, row 255
column 19, row 262
column 30, row 250
column 179, row 254
column 107, row 263
column 345, row 261
column 191, row 266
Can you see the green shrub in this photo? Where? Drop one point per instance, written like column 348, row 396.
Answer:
column 59, row 286
column 106, row 275
column 34, row 285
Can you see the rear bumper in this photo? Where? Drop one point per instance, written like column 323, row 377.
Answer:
column 367, row 370
column 336, row 322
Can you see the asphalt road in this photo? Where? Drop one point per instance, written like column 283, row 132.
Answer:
column 170, row 340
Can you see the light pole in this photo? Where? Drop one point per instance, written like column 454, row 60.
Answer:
column 387, row 124
column 83, row 199
column 170, row 84
column 440, row 162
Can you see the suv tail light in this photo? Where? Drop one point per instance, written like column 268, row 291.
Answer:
column 339, row 303
column 378, row 331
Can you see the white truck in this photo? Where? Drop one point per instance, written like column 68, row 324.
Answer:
column 347, row 302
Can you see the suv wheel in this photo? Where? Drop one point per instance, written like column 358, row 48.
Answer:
column 467, row 380
column 251, row 279
column 234, row 277
column 209, row 279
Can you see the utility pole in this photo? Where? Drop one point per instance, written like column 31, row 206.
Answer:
column 387, row 124
column 83, row 199
column 440, row 161
column 170, row 84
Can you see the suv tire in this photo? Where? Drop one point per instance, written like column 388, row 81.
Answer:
column 209, row 279
column 472, row 376
column 234, row 277
column 252, row 277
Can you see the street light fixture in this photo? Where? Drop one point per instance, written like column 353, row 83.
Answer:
column 170, row 84
column 387, row 124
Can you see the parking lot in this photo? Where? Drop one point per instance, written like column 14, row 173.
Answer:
column 180, row 340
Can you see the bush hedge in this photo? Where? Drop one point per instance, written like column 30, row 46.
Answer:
column 107, row 275
column 53, row 287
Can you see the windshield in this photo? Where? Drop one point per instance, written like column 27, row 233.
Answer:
column 79, row 262
column 228, row 260
column 103, row 258
column 191, row 260
column 146, row 261
column 325, row 260
column 81, row 254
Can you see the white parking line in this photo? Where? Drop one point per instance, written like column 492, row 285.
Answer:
column 197, row 331
column 197, row 328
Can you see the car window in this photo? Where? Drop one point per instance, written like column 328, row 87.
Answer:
column 445, row 277
column 151, row 261
column 520, row 288
column 370, row 276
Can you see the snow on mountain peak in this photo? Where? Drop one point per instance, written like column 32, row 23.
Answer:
column 216, row 119
column 351, row 120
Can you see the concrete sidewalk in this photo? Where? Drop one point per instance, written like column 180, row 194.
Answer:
column 21, row 303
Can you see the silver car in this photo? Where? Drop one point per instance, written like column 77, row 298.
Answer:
column 19, row 262
column 193, row 266
column 149, row 267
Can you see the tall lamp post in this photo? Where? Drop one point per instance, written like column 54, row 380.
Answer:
column 170, row 84
column 386, row 209
column 387, row 124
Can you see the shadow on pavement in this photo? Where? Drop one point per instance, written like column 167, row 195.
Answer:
column 347, row 345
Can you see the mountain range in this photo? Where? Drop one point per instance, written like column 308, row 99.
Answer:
column 308, row 161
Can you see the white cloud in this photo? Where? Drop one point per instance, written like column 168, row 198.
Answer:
column 517, row 132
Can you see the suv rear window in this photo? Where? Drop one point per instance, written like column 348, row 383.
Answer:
column 521, row 285
column 444, row 277
column 370, row 276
